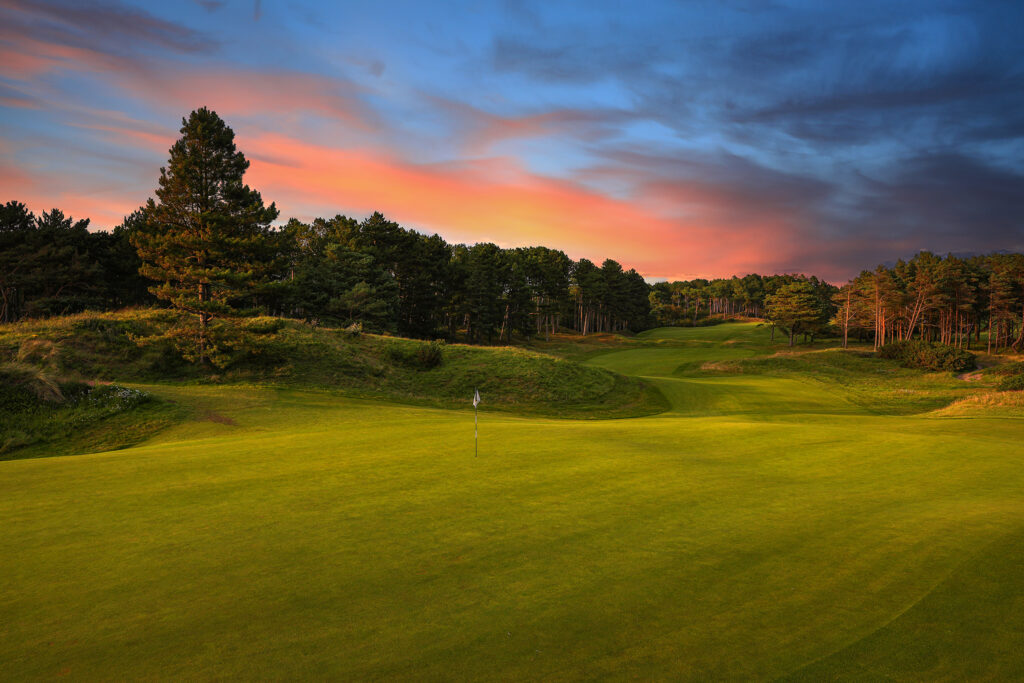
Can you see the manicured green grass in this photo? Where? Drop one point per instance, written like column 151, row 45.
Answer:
column 766, row 526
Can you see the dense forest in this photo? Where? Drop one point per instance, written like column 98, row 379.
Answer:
column 207, row 245
column 338, row 271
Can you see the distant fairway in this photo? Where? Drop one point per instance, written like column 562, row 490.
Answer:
column 777, row 523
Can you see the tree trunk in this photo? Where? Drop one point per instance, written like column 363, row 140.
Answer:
column 204, row 321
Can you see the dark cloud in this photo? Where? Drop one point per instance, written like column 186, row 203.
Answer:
column 727, row 178
column 478, row 129
column 211, row 5
column 878, row 129
column 948, row 202
column 104, row 26
column 823, row 76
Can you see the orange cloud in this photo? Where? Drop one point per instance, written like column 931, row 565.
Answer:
column 674, row 231
column 497, row 200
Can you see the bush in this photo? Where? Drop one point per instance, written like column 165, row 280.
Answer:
column 928, row 356
column 116, row 398
column 263, row 325
column 430, row 355
column 1012, row 383
column 15, row 398
column 418, row 357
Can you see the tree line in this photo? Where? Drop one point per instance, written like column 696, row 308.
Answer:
column 688, row 302
column 950, row 300
column 206, row 244
column 796, row 304
column 51, row 264
column 386, row 277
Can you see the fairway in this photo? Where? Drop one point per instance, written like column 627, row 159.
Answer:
column 764, row 527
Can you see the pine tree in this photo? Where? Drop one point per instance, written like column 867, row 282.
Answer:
column 796, row 308
column 207, row 238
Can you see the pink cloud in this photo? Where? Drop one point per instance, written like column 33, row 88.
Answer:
column 497, row 200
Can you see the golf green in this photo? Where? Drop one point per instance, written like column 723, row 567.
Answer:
column 764, row 527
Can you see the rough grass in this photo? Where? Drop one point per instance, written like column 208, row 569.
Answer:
column 989, row 404
column 42, row 416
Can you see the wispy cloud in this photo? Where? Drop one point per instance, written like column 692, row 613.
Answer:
column 683, row 139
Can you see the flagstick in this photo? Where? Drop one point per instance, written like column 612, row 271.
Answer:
column 476, row 433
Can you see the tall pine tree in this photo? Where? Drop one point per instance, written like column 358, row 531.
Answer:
column 207, row 238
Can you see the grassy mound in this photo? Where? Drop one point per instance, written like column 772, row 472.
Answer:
column 295, row 355
column 880, row 386
column 44, row 416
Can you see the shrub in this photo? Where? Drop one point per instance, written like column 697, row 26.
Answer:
column 263, row 325
column 417, row 357
column 1012, row 383
column 430, row 355
column 117, row 398
column 15, row 398
column 928, row 356
column 113, row 331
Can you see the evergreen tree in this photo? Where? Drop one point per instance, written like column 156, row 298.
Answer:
column 17, row 224
column 796, row 308
column 207, row 238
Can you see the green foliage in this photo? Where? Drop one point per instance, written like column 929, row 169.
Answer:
column 207, row 241
column 332, row 282
column 263, row 325
column 1007, row 369
column 53, row 264
column 928, row 356
column 430, row 355
column 1011, row 383
column 798, row 308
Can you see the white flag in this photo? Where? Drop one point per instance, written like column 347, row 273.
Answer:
column 476, row 397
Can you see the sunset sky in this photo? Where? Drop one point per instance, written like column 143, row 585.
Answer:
column 683, row 139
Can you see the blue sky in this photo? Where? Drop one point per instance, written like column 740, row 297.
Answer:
column 683, row 139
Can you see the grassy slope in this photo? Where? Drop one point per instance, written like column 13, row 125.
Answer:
column 68, row 430
column 100, row 347
column 763, row 527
